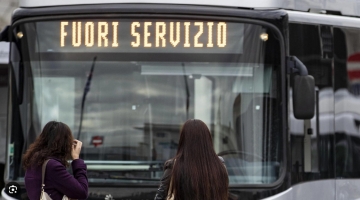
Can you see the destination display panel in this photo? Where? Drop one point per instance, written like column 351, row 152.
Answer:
column 140, row 35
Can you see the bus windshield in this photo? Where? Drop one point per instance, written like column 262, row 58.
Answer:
column 126, row 85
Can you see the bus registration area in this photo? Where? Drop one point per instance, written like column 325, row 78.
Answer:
column 173, row 36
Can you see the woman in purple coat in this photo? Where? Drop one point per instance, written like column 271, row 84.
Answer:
column 57, row 144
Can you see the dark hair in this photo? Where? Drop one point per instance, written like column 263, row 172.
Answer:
column 198, row 173
column 54, row 141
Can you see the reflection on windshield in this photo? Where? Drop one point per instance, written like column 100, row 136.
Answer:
column 137, row 100
column 134, row 111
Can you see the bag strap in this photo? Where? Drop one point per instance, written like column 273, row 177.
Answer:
column 43, row 173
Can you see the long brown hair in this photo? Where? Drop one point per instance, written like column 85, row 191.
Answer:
column 54, row 141
column 198, row 173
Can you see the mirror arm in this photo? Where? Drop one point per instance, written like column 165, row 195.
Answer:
column 295, row 66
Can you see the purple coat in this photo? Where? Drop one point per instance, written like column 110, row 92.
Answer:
column 58, row 181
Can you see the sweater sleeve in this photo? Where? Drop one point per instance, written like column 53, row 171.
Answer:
column 74, row 187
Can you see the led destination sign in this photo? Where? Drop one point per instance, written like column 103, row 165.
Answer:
column 168, row 36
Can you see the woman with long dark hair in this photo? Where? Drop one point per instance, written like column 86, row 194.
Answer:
column 55, row 146
column 196, row 172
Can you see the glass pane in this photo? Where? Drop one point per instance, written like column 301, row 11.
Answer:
column 128, row 106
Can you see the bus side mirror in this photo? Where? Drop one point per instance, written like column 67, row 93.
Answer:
column 303, row 89
column 304, row 97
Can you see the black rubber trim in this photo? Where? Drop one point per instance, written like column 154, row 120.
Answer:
column 147, row 9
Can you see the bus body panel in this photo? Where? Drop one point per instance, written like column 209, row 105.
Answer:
column 345, row 7
column 316, row 18
column 345, row 189
column 314, row 190
column 335, row 140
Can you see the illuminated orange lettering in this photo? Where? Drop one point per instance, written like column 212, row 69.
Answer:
column 63, row 33
column 115, row 36
column 102, row 33
column 221, row 34
column 89, row 34
column 160, row 34
column 146, row 34
column 210, row 39
column 187, row 27
column 76, row 31
column 177, row 33
column 196, row 38
column 135, row 34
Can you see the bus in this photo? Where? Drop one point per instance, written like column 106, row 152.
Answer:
column 277, row 82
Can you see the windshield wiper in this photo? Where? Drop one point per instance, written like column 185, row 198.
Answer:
column 187, row 92
column 86, row 90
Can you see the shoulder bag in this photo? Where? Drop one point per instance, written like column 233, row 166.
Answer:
column 44, row 195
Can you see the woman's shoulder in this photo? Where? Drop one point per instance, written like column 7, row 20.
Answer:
column 54, row 163
column 55, row 169
column 221, row 159
column 169, row 164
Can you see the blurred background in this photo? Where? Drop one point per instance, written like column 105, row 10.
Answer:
column 6, row 9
